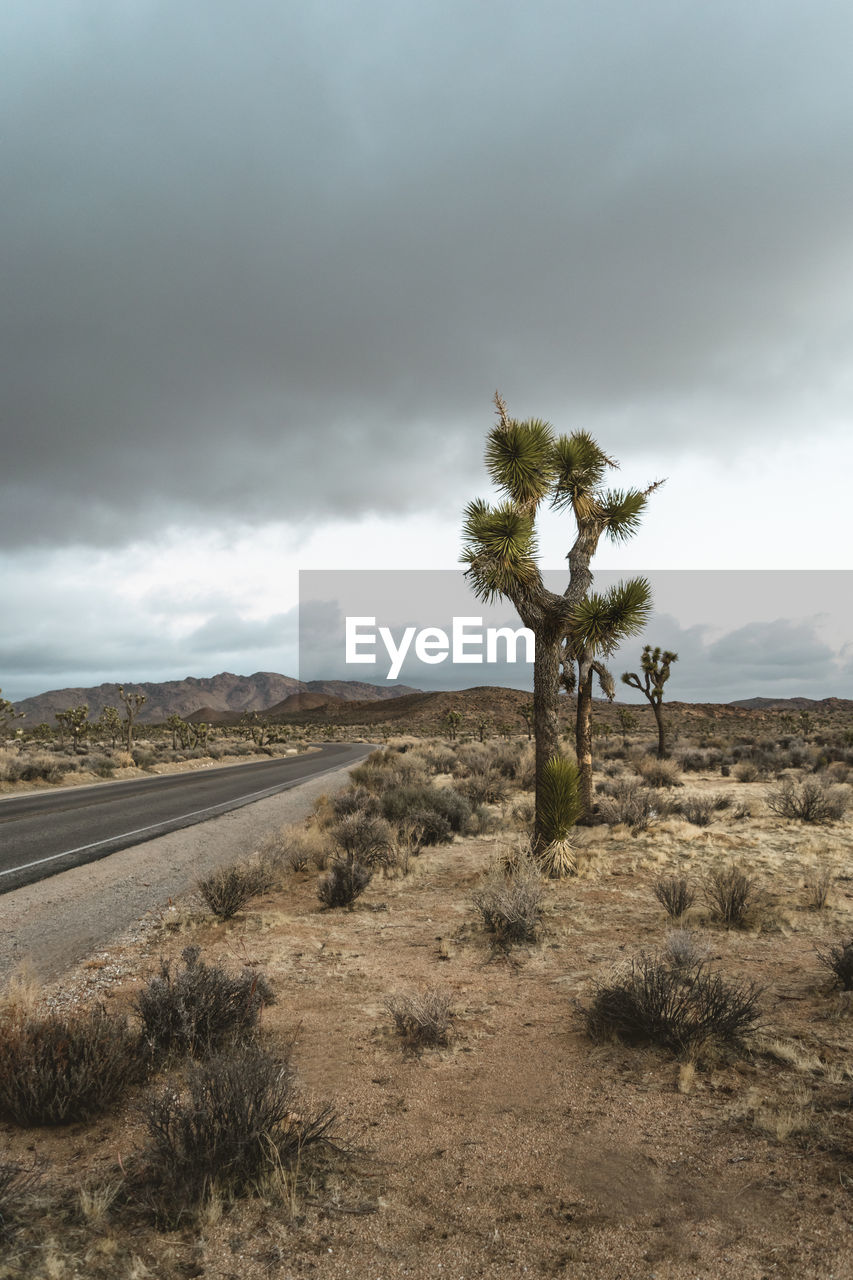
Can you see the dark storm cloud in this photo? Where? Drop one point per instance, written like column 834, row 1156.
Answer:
column 270, row 261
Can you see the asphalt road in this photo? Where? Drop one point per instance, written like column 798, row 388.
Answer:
column 47, row 832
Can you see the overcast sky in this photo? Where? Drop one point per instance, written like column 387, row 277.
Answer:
column 264, row 265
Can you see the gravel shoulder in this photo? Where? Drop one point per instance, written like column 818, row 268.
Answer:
column 50, row 926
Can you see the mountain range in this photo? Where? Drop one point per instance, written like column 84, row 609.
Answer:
column 224, row 697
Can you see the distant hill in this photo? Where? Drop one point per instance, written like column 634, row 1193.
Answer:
column 225, row 697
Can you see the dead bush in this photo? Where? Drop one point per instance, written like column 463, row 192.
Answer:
column 343, row 883
column 683, row 951
column 818, row 887
column 423, row 1020
column 17, row 1181
column 675, row 894
column 732, row 895
column 630, row 804
column 511, row 905
column 230, row 888
column 239, row 1119
column 807, row 801
column 658, row 773
column 678, row 1009
column 839, row 960
column 200, row 1008
column 484, row 786
column 365, row 838
column 57, row 1068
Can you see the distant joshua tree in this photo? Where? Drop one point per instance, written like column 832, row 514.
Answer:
column 453, row 719
column 133, row 703
column 76, row 721
column 109, row 723
column 8, row 713
column 656, row 665
column 527, row 716
column 627, row 721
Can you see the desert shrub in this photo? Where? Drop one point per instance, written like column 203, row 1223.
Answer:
column 839, row 960
column 423, row 1020
column 630, row 804
column 818, row 886
column 57, row 1068
column 658, row 773
column 239, row 1119
column 230, row 888
column 483, row 821
column 698, row 810
column 438, row 758
column 676, row 1008
column 200, row 1008
column 511, row 905
column 838, row 771
column 343, row 883
column 524, row 813
column 16, row 1182
column 675, row 894
column 807, row 801
column 103, row 766
column 682, row 950
column 365, row 838
column 143, row 757
column 355, row 800
column 45, row 770
column 732, row 895
column 525, row 769
column 694, row 761
column 400, row 801
column 424, row 827
column 484, row 786
column 746, row 771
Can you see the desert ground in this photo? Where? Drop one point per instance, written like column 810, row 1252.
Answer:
column 532, row 1139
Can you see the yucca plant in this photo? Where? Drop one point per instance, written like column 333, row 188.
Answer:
column 531, row 465
column 561, row 808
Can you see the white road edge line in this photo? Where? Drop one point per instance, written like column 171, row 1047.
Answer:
column 66, row 853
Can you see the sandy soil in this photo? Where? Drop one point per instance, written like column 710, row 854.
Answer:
column 523, row 1149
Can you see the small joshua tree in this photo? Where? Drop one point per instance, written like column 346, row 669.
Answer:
column 453, row 719
column 8, row 713
column 133, row 702
column 656, row 666
column 109, row 722
column 627, row 722
column 76, row 721
column 527, row 717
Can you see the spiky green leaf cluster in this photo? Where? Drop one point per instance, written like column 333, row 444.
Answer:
column 621, row 511
column 580, row 467
column 559, row 796
column 600, row 622
column 520, row 460
column 500, row 550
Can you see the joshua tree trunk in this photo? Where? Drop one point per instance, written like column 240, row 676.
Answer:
column 546, row 691
column 661, row 730
column 583, row 742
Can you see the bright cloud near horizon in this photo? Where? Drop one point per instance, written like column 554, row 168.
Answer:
column 265, row 266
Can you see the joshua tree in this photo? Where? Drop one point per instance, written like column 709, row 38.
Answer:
column 76, row 721
column 453, row 719
column 8, row 713
column 109, row 722
column 656, row 665
column 177, row 726
column 627, row 721
column 527, row 717
column 530, row 465
column 132, row 705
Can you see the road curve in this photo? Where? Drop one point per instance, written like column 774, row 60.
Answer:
column 47, row 832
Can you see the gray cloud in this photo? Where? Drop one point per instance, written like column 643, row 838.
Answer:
column 267, row 262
